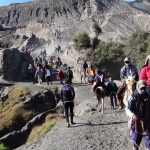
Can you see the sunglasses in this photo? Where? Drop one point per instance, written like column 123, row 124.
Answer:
column 127, row 62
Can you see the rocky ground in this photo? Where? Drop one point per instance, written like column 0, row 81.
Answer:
column 93, row 130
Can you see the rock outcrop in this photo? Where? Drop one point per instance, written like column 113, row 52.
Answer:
column 14, row 64
column 117, row 19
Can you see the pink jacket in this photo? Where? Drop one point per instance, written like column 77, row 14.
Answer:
column 145, row 74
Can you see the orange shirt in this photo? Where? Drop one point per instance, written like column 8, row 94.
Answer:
column 90, row 71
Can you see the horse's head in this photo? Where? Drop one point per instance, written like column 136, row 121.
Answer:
column 130, row 82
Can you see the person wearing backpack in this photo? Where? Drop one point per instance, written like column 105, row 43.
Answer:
column 112, row 90
column 67, row 97
column 70, row 74
column 138, row 109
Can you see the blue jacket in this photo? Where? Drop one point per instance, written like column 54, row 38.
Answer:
column 67, row 93
column 132, row 72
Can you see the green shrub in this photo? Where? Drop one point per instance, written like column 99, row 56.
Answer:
column 96, row 29
column 108, row 58
column 82, row 40
column 2, row 147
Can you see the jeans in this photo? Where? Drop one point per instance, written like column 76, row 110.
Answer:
column 67, row 106
column 48, row 79
column 137, row 138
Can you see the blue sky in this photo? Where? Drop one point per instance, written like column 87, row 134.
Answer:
column 7, row 2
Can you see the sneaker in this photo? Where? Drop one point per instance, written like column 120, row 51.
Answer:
column 68, row 125
column 73, row 123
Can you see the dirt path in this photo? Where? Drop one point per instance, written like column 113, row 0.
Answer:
column 93, row 130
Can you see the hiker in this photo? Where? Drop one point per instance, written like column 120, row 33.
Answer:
column 48, row 75
column 60, row 76
column 38, row 74
column 138, row 109
column 31, row 73
column 85, row 66
column 67, row 96
column 90, row 72
column 145, row 74
column 127, row 70
column 70, row 74
column 112, row 90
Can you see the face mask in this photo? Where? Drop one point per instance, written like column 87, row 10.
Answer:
column 127, row 64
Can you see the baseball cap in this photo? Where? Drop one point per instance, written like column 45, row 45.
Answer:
column 141, row 83
column 126, row 59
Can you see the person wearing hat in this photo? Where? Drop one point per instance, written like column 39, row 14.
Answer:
column 138, row 109
column 127, row 70
column 145, row 73
column 67, row 97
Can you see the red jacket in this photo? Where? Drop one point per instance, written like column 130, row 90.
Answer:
column 145, row 74
column 60, row 75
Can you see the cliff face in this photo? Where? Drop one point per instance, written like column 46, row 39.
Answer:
column 117, row 19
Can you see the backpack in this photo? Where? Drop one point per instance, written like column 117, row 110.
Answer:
column 85, row 66
column 70, row 72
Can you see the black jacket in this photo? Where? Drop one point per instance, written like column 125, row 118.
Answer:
column 67, row 93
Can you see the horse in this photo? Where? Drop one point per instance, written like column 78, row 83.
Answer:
column 100, row 95
column 131, row 86
column 126, row 90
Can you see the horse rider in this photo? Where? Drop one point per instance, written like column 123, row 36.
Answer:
column 99, row 81
column 90, row 72
column 127, row 70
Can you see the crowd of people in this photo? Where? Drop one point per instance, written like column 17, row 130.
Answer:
column 138, row 107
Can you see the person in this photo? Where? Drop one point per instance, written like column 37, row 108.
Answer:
column 112, row 90
column 67, row 97
column 98, row 81
column 31, row 72
column 127, row 70
column 38, row 74
column 85, row 66
column 70, row 74
column 145, row 73
column 60, row 76
column 90, row 72
column 48, row 75
column 138, row 109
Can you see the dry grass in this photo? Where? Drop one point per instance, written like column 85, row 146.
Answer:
column 12, row 113
column 14, row 119
column 41, row 130
column 15, row 96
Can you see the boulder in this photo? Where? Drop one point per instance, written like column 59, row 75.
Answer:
column 14, row 64
column 1, row 28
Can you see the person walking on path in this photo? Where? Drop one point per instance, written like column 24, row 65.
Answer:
column 67, row 96
column 48, row 75
column 85, row 66
column 31, row 72
column 38, row 74
column 70, row 74
column 112, row 90
column 60, row 76
column 138, row 109
column 145, row 74
column 127, row 70
column 90, row 72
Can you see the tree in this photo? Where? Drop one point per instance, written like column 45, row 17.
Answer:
column 82, row 40
column 96, row 29
column 108, row 57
